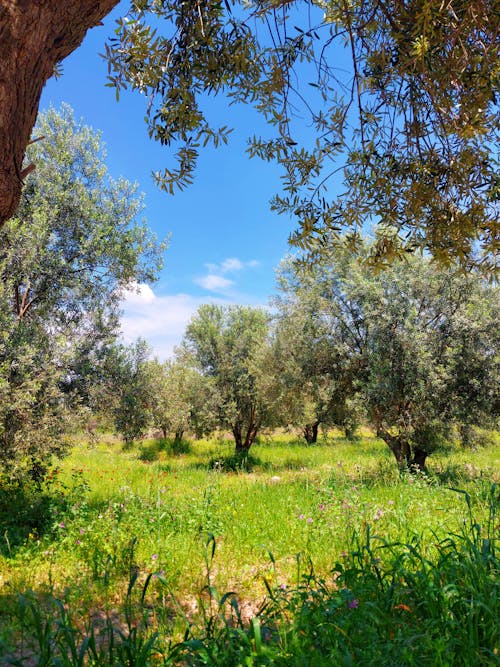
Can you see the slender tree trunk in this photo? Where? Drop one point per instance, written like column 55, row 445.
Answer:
column 34, row 36
column 252, row 430
column 310, row 432
column 178, row 436
column 238, row 437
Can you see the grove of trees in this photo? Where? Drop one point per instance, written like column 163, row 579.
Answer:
column 411, row 351
column 380, row 112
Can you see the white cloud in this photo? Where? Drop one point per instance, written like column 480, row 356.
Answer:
column 138, row 293
column 231, row 264
column 214, row 283
column 162, row 320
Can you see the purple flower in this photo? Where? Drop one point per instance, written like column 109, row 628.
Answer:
column 309, row 520
column 82, row 531
column 62, row 525
column 353, row 604
column 78, row 542
column 301, row 516
column 321, row 507
column 154, row 556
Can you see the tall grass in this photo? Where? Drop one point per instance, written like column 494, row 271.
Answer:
column 383, row 603
column 331, row 547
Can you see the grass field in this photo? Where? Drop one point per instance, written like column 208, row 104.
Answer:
column 129, row 557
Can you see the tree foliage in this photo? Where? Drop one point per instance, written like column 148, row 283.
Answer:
column 223, row 344
column 382, row 112
column 134, row 388
column 400, row 99
column 65, row 258
column 183, row 399
column 417, row 344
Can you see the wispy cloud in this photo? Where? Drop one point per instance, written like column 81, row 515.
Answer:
column 162, row 319
column 215, row 280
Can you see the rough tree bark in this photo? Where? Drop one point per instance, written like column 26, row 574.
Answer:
column 311, row 433
column 251, row 429
column 407, row 457
column 34, row 36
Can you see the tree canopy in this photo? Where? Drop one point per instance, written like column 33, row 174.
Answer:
column 65, row 259
column 399, row 101
column 417, row 345
column 223, row 343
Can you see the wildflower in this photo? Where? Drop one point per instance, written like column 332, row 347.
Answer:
column 78, row 542
column 154, row 557
column 62, row 525
column 391, row 502
column 309, row 520
column 353, row 604
column 283, row 587
column 82, row 531
column 321, row 507
column 404, row 607
column 301, row 516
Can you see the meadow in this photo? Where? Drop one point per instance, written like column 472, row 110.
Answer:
column 177, row 553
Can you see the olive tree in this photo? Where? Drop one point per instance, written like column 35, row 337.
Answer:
column 182, row 399
column 134, row 388
column 319, row 348
column 420, row 343
column 74, row 244
column 223, row 343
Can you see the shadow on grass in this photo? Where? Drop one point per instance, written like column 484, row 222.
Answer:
column 28, row 510
column 151, row 451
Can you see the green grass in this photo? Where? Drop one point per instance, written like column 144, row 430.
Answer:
column 141, row 543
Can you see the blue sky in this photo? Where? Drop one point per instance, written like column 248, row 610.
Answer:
column 224, row 241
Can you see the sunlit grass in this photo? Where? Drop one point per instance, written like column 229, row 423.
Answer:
column 297, row 503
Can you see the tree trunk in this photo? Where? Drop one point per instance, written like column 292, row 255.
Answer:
column 310, row 432
column 243, row 445
column 418, row 459
column 178, row 436
column 238, row 437
column 34, row 36
column 399, row 446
